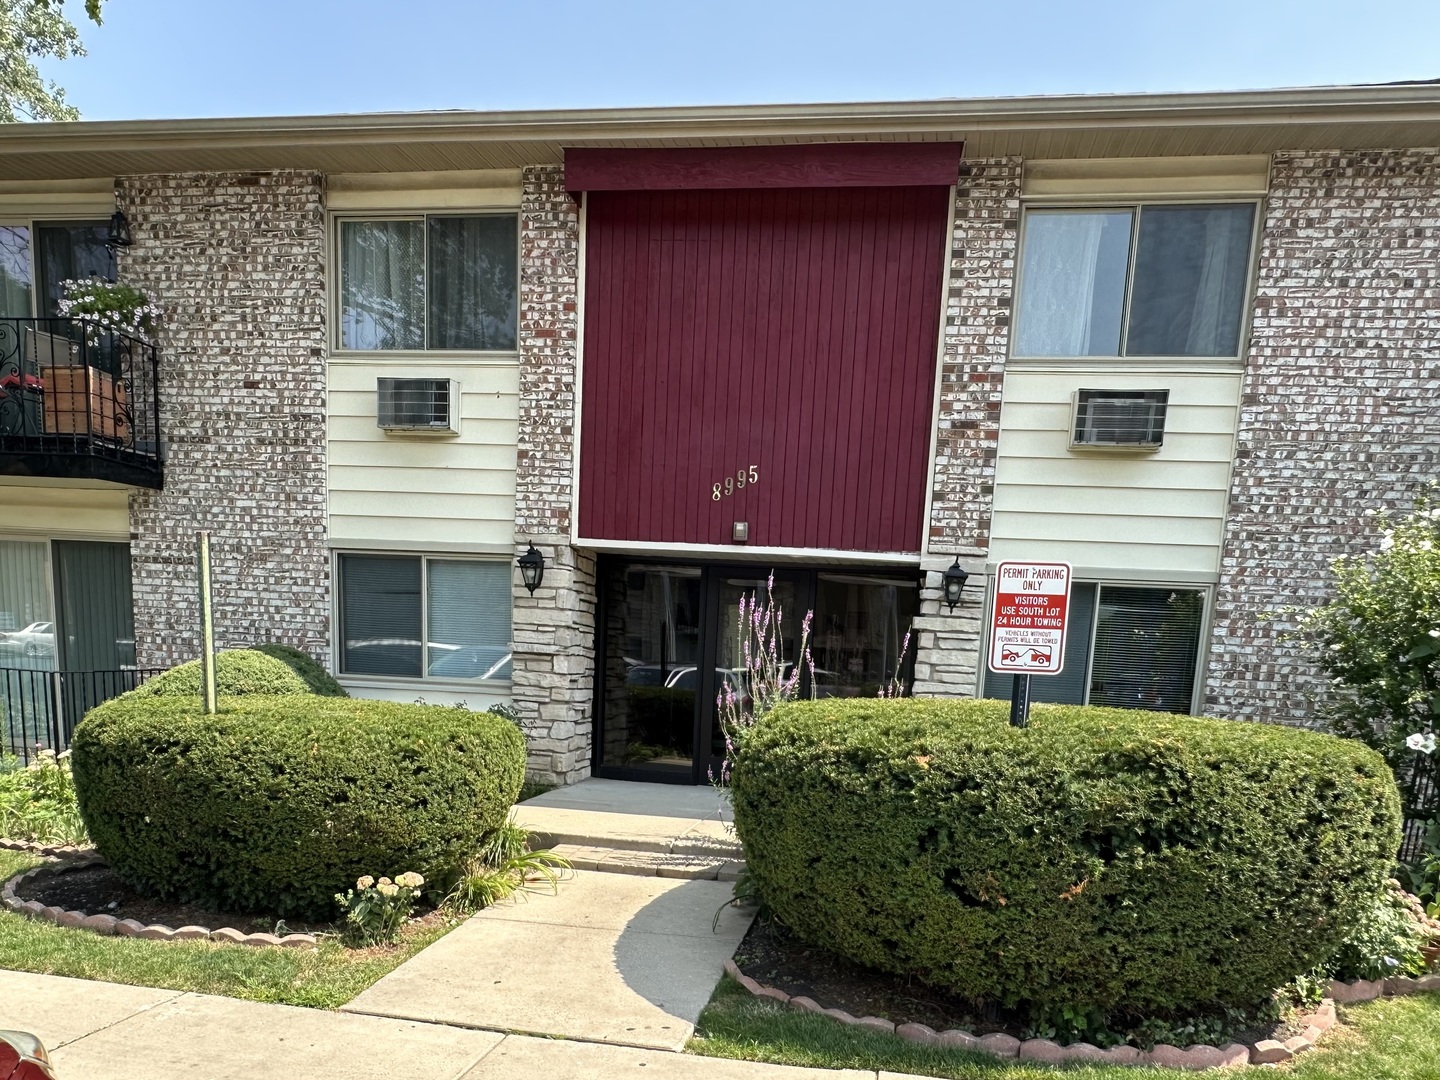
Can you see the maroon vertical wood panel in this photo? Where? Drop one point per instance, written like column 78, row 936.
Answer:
column 792, row 330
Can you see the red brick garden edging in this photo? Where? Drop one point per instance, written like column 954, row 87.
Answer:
column 75, row 859
column 1200, row 1056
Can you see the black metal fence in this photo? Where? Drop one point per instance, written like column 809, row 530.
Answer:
column 39, row 709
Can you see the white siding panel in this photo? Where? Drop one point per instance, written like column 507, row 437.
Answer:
column 456, row 491
column 58, row 509
column 1161, row 511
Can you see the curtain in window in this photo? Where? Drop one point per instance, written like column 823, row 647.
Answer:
column 469, row 613
column 1146, row 646
column 473, row 280
column 1072, row 283
column 1191, row 267
column 382, row 284
column 15, row 272
column 380, row 614
column 71, row 252
column 25, row 612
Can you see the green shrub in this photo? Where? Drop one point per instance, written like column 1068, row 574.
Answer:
column 277, row 803
column 37, row 801
column 1387, row 939
column 1101, row 858
column 306, row 666
column 237, row 672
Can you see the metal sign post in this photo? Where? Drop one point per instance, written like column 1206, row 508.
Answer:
column 207, row 624
column 1027, row 626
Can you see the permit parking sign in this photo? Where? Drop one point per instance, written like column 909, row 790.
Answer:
column 1028, row 623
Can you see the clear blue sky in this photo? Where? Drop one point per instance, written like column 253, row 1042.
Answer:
column 173, row 58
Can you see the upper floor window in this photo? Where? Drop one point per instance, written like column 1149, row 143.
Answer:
column 36, row 258
column 432, row 282
column 1154, row 280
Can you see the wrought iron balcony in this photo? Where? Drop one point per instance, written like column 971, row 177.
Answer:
column 79, row 403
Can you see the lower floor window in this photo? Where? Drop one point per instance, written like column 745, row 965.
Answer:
column 414, row 616
column 1129, row 647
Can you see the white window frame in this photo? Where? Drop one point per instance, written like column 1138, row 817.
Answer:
column 489, row 687
column 1090, row 205
column 425, row 355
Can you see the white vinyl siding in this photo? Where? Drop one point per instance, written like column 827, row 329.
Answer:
column 64, row 509
column 429, row 493
column 1160, row 511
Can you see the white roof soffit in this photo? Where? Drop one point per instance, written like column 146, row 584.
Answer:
column 1092, row 126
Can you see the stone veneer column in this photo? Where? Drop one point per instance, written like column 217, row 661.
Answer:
column 1341, row 406
column 237, row 263
column 974, row 341
column 554, row 630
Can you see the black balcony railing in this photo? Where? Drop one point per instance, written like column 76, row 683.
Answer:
column 78, row 402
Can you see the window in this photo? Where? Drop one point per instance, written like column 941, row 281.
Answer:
column 1162, row 280
column 1129, row 647
column 414, row 617
column 36, row 258
column 434, row 282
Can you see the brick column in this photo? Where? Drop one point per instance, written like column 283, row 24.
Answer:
column 974, row 341
column 1341, row 406
column 554, row 630
column 237, row 263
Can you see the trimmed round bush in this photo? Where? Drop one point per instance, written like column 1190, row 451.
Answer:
column 306, row 666
column 237, row 672
column 276, row 803
column 1101, row 858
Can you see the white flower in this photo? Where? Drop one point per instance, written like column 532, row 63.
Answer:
column 364, row 883
column 1435, row 632
column 410, row 880
column 1387, row 542
column 1435, row 514
column 1425, row 743
column 386, row 888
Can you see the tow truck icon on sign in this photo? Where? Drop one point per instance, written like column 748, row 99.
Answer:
column 1027, row 656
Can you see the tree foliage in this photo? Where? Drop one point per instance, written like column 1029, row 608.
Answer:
column 1379, row 643
column 31, row 30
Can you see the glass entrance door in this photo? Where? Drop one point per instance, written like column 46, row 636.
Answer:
column 671, row 641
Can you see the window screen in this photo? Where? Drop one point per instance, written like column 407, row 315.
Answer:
column 441, row 282
column 72, row 251
column 380, row 614
column 385, row 600
column 469, row 616
column 1185, row 296
column 1146, row 645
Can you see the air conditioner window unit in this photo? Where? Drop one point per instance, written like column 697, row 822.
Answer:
column 418, row 406
column 1119, row 419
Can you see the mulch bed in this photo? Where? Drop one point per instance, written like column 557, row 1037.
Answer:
column 97, row 891
column 774, row 957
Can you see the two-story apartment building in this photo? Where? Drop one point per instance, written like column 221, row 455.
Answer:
column 1183, row 342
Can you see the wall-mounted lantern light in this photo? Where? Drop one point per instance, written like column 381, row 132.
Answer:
column 955, row 579
column 532, row 569
column 119, row 235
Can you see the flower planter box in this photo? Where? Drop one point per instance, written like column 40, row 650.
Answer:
column 85, row 401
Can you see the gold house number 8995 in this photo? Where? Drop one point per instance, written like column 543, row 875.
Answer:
column 731, row 484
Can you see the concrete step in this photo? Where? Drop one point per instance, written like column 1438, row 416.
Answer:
column 577, row 835
column 665, row 864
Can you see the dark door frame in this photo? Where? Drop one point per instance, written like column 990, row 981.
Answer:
column 805, row 577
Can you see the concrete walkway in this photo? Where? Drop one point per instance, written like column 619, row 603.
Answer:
column 638, row 817
column 611, row 958
column 103, row 1031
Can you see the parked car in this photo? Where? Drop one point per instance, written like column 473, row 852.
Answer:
column 37, row 639
column 23, row 1057
column 473, row 662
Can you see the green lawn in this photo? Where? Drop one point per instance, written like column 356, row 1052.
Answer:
column 1393, row 1039
column 323, row 978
